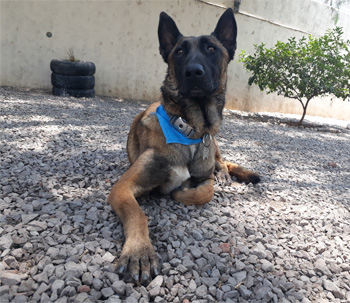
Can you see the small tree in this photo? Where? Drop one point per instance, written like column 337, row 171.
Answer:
column 302, row 69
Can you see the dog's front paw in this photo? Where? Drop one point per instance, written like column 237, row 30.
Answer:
column 223, row 177
column 139, row 262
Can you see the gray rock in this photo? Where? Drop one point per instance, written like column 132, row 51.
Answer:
column 262, row 292
column 57, row 286
column 231, row 294
column 153, row 292
column 5, row 242
column 332, row 287
column 321, row 266
column 107, row 292
column 209, row 281
column 266, row 265
column 157, row 281
column 10, row 279
column 108, row 257
column 4, row 289
column 73, row 270
column 201, row 291
column 239, row 265
column 244, row 291
column 197, row 235
column 131, row 300
column 82, row 297
column 113, row 299
column 187, row 262
column 240, row 276
column 119, row 287
column 41, row 289
column 87, row 278
column 196, row 252
column 68, row 291
column 97, row 284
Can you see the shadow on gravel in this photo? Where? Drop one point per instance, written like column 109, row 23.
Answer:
column 284, row 240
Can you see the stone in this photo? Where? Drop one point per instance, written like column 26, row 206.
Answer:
column 225, row 247
column 321, row 267
column 157, row 281
column 4, row 289
column 332, row 287
column 209, row 281
column 5, row 242
column 231, row 294
column 244, row 291
column 197, row 235
column 262, row 292
column 201, row 291
column 108, row 257
column 239, row 276
column 131, row 300
column 84, row 288
column 10, row 279
column 57, row 286
column 187, row 262
column 196, row 252
column 87, row 278
column 239, row 265
column 153, row 292
column 97, row 284
column 266, row 265
column 119, row 287
column 73, row 269
column 107, row 292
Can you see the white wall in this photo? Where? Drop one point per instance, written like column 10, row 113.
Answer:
column 120, row 37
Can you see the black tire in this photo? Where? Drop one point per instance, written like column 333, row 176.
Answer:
column 72, row 68
column 72, row 82
column 78, row 93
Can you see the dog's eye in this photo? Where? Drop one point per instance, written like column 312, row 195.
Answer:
column 211, row 49
column 180, row 51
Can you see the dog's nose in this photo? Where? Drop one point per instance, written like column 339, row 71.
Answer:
column 194, row 71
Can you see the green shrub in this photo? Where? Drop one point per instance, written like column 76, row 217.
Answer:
column 302, row 69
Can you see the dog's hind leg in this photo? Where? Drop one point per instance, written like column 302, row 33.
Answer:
column 198, row 195
column 242, row 174
column 138, row 257
column 226, row 169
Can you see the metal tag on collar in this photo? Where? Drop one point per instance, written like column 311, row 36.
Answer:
column 206, row 143
column 181, row 125
column 206, row 140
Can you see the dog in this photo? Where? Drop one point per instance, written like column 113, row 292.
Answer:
column 171, row 145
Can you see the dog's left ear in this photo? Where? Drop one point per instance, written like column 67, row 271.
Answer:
column 168, row 35
column 226, row 32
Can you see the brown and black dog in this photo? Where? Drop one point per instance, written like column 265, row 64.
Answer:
column 171, row 145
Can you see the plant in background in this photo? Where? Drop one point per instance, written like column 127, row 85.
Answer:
column 302, row 69
column 71, row 56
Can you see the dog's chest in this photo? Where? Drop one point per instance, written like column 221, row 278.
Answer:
column 198, row 163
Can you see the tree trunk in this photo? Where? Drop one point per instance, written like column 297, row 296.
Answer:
column 304, row 111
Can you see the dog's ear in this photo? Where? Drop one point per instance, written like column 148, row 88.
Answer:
column 226, row 32
column 168, row 35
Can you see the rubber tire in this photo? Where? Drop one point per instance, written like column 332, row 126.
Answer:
column 72, row 82
column 78, row 93
column 72, row 68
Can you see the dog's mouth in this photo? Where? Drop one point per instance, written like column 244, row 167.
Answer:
column 195, row 91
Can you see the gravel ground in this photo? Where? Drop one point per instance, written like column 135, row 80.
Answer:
column 286, row 239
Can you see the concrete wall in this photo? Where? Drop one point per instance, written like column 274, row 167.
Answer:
column 120, row 37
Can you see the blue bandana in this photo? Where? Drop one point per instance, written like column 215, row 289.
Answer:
column 171, row 134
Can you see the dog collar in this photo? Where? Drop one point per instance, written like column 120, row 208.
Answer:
column 176, row 129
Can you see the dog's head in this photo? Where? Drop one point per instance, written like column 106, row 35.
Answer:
column 198, row 65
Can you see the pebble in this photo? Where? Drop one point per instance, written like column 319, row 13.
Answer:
column 283, row 240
